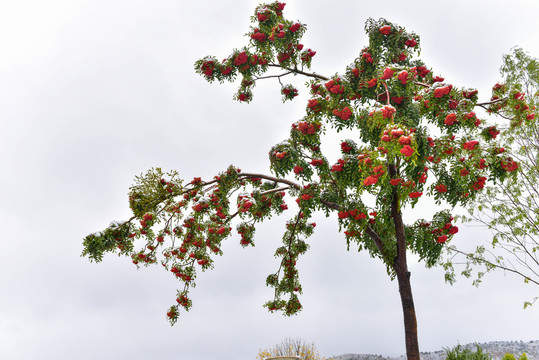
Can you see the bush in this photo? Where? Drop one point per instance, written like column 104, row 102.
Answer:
column 512, row 357
column 291, row 347
column 460, row 353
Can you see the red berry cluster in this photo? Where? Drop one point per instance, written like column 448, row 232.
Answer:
column 339, row 166
column 244, row 203
column 509, row 165
column 345, row 147
column 394, row 137
column 415, row 194
column 385, row 30
column 289, row 92
column 387, row 74
column 491, row 132
column 368, row 58
column 334, row 86
column 441, row 188
column 184, row 301
column 344, row 114
column 479, row 184
column 470, row 145
column 442, row 91
column 411, row 43
column 317, row 162
column 181, row 275
column 314, row 105
column 444, row 232
column 306, row 128
column 353, row 214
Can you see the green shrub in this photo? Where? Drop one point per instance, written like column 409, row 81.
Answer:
column 512, row 357
column 460, row 353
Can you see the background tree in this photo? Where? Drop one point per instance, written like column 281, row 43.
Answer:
column 291, row 347
column 413, row 135
column 510, row 209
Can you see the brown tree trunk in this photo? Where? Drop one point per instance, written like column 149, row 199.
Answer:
column 403, row 277
column 408, row 310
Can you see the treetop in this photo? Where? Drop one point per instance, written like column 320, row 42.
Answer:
column 415, row 135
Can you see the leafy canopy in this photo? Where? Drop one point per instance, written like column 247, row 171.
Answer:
column 415, row 135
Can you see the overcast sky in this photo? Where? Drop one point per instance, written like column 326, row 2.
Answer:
column 93, row 93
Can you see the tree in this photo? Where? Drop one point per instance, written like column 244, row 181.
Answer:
column 510, row 209
column 415, row 135
column 292, row 347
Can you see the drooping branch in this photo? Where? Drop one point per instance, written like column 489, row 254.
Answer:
column 368, row 230
column 481, row 105
column 499, row 266
column 289, row 249
column 500, row 115
column 329, row 204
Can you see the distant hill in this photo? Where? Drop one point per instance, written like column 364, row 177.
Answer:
column 497, row 349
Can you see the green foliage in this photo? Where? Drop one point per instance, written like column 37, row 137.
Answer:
column 115, row 237
column 509, row 208
column 414, row 135
column 461, row 353
column 519, row 68
column 421, row 232
column 509, row 356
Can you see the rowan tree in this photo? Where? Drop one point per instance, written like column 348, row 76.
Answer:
column 415, row 136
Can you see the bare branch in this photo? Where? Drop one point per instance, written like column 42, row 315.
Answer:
column 272, row 76
column 296, row 71
column 499, row 266
column 274, row 190
column 490, row 102
column 271, row 178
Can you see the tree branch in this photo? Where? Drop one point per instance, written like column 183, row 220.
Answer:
column 296, row 186
column 376, row 239
column 485, row 261
column 272, row 178
column 490, row 102
column 274, row 190
column 296, row 71
column 272, row 76
column 421, row 84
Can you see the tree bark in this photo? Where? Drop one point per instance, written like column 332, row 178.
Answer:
column 408, row 310
column 403, row 277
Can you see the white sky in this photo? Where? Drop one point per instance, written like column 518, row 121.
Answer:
column 93, row 93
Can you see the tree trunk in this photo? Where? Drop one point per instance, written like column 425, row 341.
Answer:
column 408, row 310
column 400, row 266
